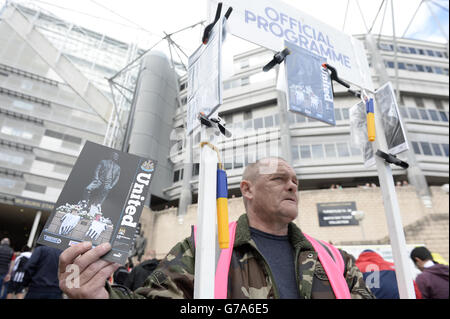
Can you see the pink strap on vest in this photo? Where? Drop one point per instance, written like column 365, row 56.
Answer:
column 223, row 265
column 336, row 276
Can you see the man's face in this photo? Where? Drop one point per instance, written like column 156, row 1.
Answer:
column 275, row 192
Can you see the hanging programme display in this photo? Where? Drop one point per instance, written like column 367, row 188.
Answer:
column 309, row 88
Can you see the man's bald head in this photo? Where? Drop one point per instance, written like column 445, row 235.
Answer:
column 267, row 165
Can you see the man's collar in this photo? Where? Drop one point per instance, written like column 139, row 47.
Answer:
column 295, row 235
column 428, row 264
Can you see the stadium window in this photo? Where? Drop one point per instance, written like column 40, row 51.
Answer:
column 445, row 147
column 438, row 70
column 195, row 169
column 413, row 112
column 401, row 66
column 337, row 114
column 342, row 149
column 424, row 114
column 443, row 116
column 238, row 161
column 35, row 188
column 419, row 102
column 305, row 151
column 390, row 64
column 345, row 113
column 294, row 150
column 438, row 54
column 421, row 52
column 268, row 121
column 330, row 150
column 176, row 176
column 426, row 148
column 412, row 50
column 438, row 104
column 403, row 49
column 411, row 67
column 436, row 149
column 403, row 112
column 420, row 68
column 277, row 119
column 317, row 151
column 429, row 69
column 434, row 115
column 416, row 148
column 258, row 123
column 430, row 52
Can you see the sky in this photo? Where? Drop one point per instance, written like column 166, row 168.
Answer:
column 146, row 21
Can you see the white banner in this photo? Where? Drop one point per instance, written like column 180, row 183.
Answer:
column 269, row 22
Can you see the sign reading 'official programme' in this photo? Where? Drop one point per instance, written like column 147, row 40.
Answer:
column 269, row 22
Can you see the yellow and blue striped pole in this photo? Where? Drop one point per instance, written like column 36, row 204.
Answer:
column 370, row 119
column 222, row 209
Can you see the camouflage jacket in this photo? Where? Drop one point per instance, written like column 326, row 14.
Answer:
column 249, row 275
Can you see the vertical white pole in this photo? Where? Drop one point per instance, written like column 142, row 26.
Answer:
column 205, row 247
column 393, row 217
column 37, row 218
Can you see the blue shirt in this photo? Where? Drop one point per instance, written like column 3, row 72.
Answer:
column 279, row 254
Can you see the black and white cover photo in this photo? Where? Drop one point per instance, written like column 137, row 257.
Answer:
column 101, row 201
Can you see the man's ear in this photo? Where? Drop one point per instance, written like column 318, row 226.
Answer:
column 246, row 189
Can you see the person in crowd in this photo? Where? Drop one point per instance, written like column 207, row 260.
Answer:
column 141, row 272
column 41, row 274
column 6, row 263
column 379, row 275
column 433, row 281
column 16, row 288
column 271, row 257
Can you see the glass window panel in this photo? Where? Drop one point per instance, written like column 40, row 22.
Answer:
column 424, row 114
column 413, row 112
column 277, row 119
column 294, row 150
column 342, row 149
column 345, row 113
column 429, row 69
column 403, row 112
column 258, row 123
column 420, row 68
column 238, row 161
column 330, row 150
column 337, row 114
column 317, row 151
column 443, row 116
column 248, row 124
column 305, row 151
column 355, row 151
column 436, row 149
column 401, row 66
column 268, row 121
column 445, row 147
column 434, row 115
column 426, row 148
column 416, row 148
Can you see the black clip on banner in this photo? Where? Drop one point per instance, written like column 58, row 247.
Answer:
column 392, row 159
column 214, row 122
column 277, row 59
column 210, row 26
column 334, row 77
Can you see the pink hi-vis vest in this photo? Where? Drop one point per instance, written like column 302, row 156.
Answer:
column 333, row 265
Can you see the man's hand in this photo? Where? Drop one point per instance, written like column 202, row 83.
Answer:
column 82, row 274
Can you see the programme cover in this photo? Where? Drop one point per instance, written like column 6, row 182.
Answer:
column 101, row 201
column 309, row 87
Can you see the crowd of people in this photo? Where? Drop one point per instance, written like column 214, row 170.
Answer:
column 266, row 256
